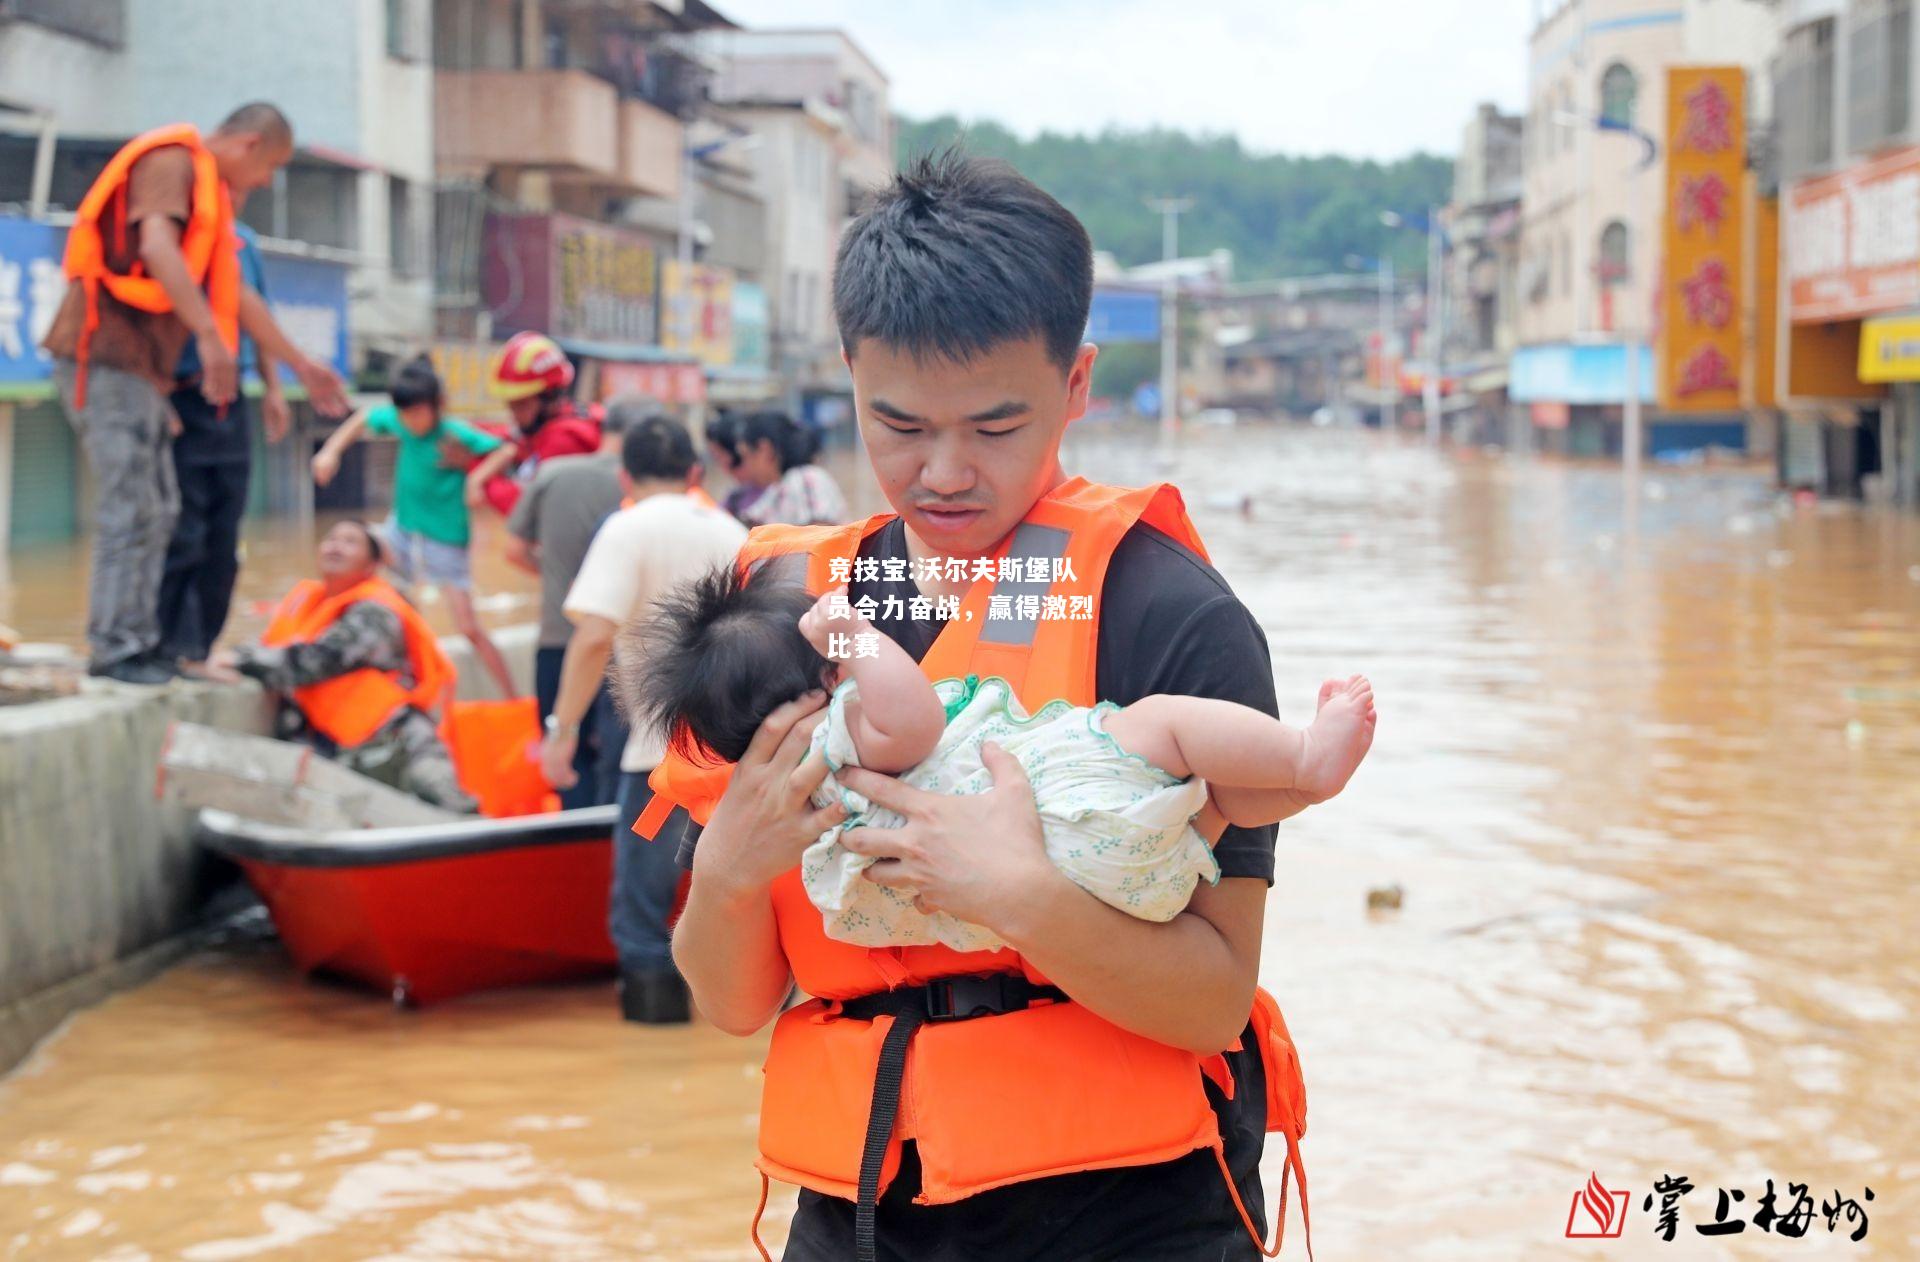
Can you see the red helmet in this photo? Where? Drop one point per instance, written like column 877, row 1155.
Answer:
column 529, row 364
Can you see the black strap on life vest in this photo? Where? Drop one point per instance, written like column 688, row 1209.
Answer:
column 944, row 999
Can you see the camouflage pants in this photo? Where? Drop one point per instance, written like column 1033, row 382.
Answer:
column 408, row 754
column 125, row 430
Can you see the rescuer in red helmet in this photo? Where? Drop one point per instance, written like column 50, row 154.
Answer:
column 531, row 374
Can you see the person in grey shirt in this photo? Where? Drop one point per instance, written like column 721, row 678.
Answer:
column 548, row 532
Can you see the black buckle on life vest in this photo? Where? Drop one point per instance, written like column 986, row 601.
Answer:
column 962, row 998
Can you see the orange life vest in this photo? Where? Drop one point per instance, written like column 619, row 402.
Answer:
column 349, row 708
column 211, row 249
column 1023, row 1095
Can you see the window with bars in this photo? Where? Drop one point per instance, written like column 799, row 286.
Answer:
column 1615, row 254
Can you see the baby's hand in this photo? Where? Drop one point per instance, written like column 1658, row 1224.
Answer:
column 830, row 614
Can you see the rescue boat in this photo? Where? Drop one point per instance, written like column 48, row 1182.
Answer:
column 369, row 884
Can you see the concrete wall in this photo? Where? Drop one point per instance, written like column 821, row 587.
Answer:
column 97, row 880
column 93, row 872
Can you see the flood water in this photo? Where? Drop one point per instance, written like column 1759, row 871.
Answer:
column 1650, row 796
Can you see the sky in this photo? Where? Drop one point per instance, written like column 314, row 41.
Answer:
column 1366, row 78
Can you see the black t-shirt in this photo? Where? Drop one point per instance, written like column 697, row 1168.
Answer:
column 1168, row 624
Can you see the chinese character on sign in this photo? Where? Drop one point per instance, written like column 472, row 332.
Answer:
column 1708, row 123
column 1707, row 369
column 1834, row 1208
column 1794, row 1222
column 12, row 311
column 1709, row 295
column 1671, row 1187
column 1721, row 1225
column 1702, row 200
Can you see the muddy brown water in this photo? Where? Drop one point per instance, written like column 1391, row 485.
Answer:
column 1651, row 799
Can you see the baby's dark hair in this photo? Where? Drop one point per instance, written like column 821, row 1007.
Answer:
column 715, row 656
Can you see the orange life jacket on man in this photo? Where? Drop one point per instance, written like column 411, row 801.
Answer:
column 209, row 245
column 350, row 708
column 1043, row 1090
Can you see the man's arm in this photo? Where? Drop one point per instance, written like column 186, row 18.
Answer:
column 276, row 418
column 484, row 471
column 727, row 944
column 160, row 254
column 523, row 526
column 581, row 671
column 366, row 634
column 325, row 390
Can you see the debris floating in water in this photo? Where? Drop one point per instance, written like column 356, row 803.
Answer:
column 1385, row 898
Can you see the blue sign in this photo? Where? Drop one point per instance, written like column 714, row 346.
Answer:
column 31, row 287
column 1585, row 374
column 750, row 321
column 308, row 298
column 1123, row 315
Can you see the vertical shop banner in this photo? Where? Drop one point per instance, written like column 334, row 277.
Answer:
column 696, row 311
column 1702, row 350
column 750, row 324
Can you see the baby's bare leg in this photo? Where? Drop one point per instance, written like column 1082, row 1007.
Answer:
column 1260, row 769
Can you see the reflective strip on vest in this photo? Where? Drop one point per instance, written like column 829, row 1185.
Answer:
column 1031, row 542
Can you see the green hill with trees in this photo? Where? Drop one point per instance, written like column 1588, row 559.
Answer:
column 1280, row 215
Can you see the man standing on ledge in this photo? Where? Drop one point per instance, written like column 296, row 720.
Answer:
column 153, row 263
column 1101, row 1090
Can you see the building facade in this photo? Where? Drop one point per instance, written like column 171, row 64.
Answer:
column 818, row 106
column 1848, row 174
column 1483, row 269
column 1592, row 207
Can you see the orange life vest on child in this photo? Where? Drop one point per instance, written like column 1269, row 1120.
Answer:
column 1023, row 1095
column 349, row 708
column 211, row 249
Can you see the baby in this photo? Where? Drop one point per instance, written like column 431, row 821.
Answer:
column 1116, row 787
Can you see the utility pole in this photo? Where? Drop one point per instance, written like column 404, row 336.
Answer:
column 1436, row 328
column 1389, row 374
column 1169, row 208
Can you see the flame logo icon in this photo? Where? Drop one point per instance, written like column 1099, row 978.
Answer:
column 1597, row 1212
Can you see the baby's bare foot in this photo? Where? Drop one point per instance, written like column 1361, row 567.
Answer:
column 1340, row 736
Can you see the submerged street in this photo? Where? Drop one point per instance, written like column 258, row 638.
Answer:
column 1648, row 796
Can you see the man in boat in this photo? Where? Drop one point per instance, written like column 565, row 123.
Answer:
column 358, row 671
column 1103, row 1088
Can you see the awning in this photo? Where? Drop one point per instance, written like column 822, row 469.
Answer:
column 623, row 352
column 1890, row 348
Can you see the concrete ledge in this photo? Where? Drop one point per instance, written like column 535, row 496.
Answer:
column 95, row 869
column 97, row 878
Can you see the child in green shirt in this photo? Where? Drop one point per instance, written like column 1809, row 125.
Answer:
column 443, row 464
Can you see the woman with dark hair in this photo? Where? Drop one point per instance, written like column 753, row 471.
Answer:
column 777, row 452
column 723, row 448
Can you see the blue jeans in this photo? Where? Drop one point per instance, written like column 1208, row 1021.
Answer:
column 646, row 875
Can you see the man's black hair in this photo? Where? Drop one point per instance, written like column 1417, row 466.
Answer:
column 960, row 255
column 626, row 412
column 715, row 657
column 258, row 118
column 657, row 449
column 415, row 382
